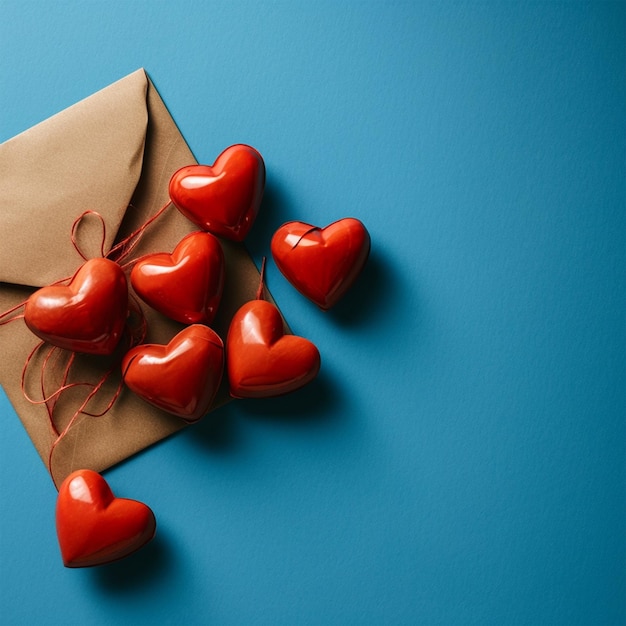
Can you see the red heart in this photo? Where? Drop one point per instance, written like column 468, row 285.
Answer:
column 181, row 377
column 261, row 360
column 223, row 198
column 185, row 285
column 88, row 315
column 321, row 263
column 93, row 526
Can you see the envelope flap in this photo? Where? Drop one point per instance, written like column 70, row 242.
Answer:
column 89, row 156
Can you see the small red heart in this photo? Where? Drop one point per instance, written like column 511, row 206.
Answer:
column 186, row 285
column 93, row 526
column 223, row 198
column 261, row 360
column 87, row 315
column 321, row 263
column 181, row 377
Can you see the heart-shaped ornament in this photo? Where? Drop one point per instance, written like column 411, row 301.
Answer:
column 93, row 526
column 186, row 285
column 261, row 360
column 87, row 315
column 181, row 377
column 321, row 263
column 222, row 198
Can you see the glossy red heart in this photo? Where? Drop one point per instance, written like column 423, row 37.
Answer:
column 261, row 360
column 181, row 377
column 321, row 263
column 186, row 285
column 87, row 315
column 93, row 526
column 222, row 198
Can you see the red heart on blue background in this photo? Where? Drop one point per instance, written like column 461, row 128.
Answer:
column 222, row 198
column 261, row 360
column 321, row 263
column 93, row 526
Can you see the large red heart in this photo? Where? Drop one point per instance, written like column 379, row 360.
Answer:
column 186, row 285
column 321, row 263
column 261, row 360
column 223, row 198
column 87, row 315
column 93, row 526
column 181, row 377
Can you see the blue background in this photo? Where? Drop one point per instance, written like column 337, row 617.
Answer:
column 461, row 458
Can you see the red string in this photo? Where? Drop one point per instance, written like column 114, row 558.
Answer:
column 50, row 400
column 66, row 372
column 134, row 335
column 130, row 264
column 13, row 309
column 259, row 293
column 75, row 226
column 81, row 411
column 123, row 249
column 45, row 398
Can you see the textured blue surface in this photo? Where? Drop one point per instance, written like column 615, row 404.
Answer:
column 461, row 459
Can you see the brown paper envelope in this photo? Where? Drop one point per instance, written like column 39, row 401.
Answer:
column 113, row 153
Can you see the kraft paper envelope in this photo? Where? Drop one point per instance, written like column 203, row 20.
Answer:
column 113, row 153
